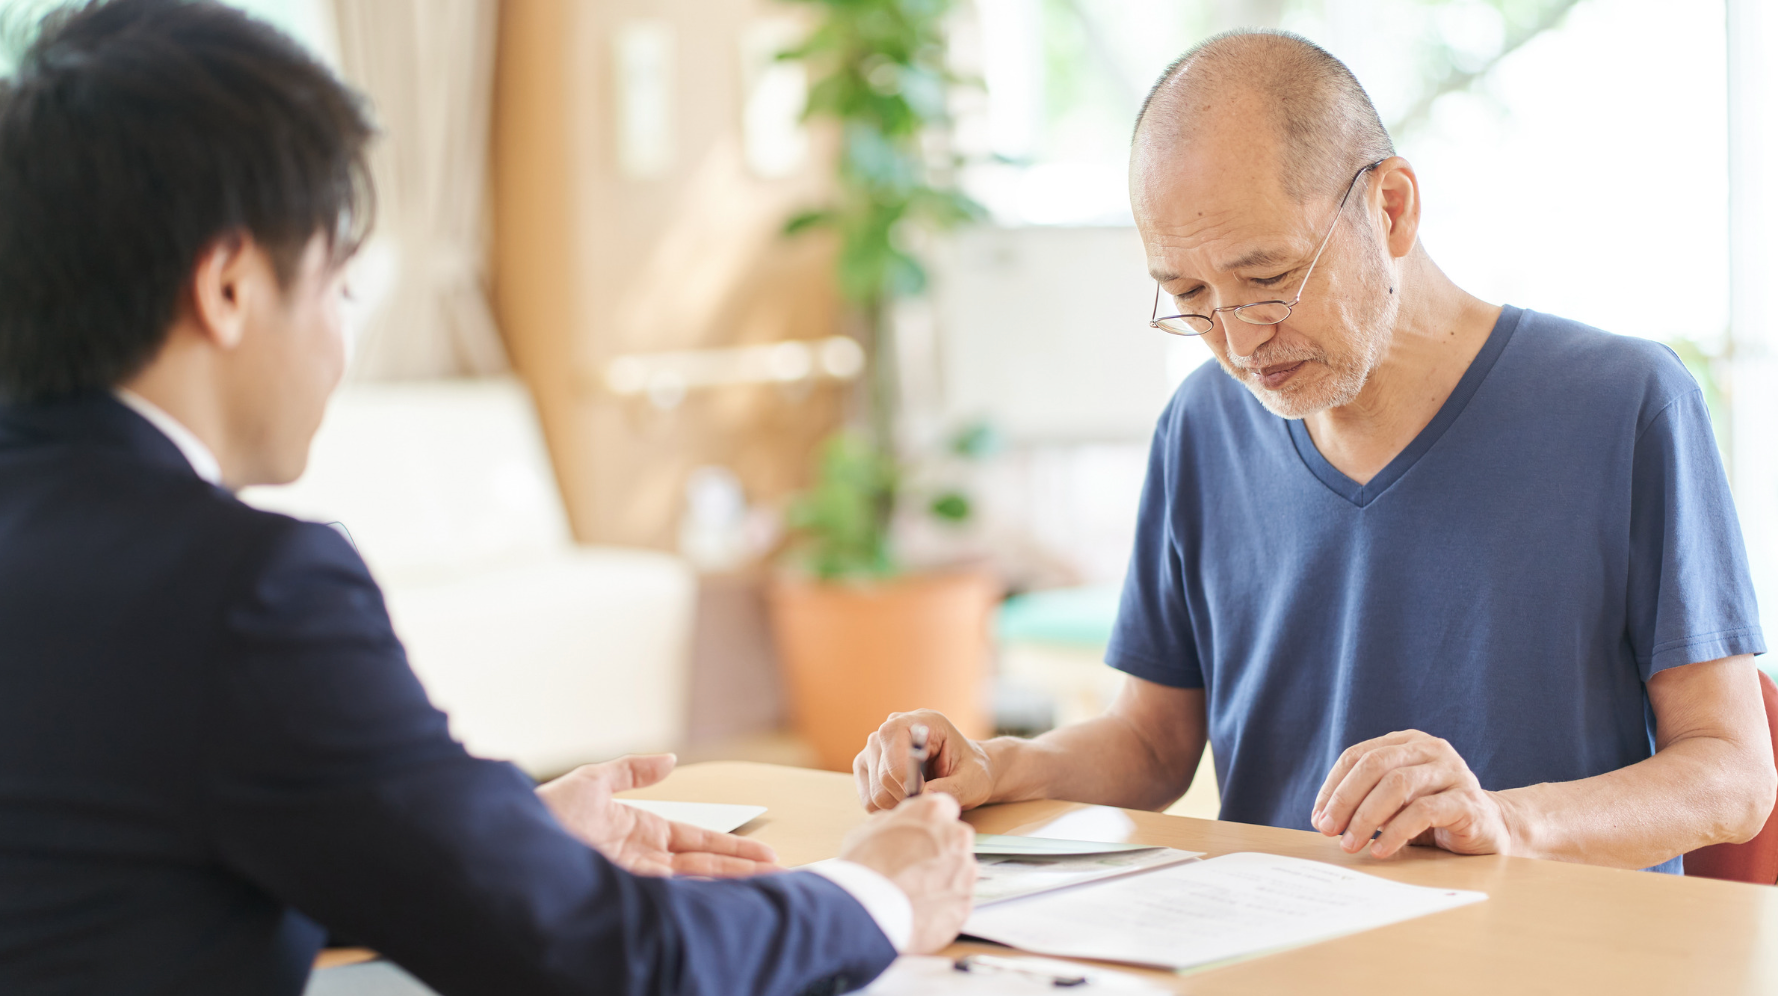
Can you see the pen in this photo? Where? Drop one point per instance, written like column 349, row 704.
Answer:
column 917, row 739
column 989, row 963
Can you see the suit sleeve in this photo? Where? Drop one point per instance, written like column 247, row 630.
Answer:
column 336, row 787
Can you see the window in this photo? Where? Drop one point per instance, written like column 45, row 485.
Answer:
column 1548, row 134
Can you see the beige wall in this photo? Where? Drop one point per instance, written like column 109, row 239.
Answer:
column 588, row 263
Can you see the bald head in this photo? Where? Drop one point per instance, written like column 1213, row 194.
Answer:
column 1316, row 119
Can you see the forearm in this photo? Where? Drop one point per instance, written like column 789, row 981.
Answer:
column 1106, row 760
column 1693, row 793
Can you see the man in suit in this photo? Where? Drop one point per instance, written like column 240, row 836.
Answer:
column 212, row 750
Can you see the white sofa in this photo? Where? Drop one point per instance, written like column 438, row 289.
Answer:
column 542, row 651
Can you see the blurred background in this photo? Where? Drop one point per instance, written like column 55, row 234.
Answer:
column 587, row 441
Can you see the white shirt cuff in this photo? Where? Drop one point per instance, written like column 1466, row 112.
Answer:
column 881, row 898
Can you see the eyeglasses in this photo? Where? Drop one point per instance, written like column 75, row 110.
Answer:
column 1259, row 312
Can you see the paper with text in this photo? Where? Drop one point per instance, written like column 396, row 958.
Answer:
column 1004, row 877
column 914, row 975
column 1208, row 911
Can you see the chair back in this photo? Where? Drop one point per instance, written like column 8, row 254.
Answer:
column 1757, row 860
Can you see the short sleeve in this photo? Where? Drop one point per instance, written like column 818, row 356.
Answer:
column 1690, row 594
column 1152, row 638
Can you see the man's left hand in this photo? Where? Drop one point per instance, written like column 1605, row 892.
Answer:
column 643, row 842
column 1415, row 789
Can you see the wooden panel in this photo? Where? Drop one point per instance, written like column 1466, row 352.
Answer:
column 589, row 263
column 533, row 247
column 1547, row 927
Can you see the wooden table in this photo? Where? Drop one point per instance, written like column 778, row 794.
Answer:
column 1547, row 927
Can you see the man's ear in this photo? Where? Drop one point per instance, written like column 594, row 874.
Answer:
column 222, row 284
column 1399, row 192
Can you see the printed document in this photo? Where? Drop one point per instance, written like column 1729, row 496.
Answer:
column 1208, row 911
column 914, row 975
column 1009, row 876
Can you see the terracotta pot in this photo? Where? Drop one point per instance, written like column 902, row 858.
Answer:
column 854, row 653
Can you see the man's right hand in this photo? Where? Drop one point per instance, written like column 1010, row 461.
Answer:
column 928, row 853
column 956, row 765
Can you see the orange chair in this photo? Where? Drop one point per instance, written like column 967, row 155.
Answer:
column 1757, row 860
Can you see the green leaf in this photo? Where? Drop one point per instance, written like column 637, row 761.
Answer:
column 904, row 276
column 924, row 92
column 976, row 441
column 952, row 506
column 945, row 208
column 842, row 522
column 806, row 220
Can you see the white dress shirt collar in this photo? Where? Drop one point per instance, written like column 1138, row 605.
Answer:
column 196, row 453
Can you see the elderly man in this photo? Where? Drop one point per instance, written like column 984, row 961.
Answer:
column 1422, row 568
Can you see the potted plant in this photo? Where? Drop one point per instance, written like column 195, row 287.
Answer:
column 860, row 636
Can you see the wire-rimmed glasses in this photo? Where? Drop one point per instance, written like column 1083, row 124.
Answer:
column 1259, row 312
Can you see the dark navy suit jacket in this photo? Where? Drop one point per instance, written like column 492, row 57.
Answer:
column 212, row 751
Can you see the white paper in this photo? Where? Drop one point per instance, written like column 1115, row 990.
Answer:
column 913, row 975
column 1003, row 877
column 1208, row 911
column 717, row 816
column 991, row 843
column 1088, row 823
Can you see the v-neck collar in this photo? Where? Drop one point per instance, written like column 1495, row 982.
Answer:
column 1363, row 494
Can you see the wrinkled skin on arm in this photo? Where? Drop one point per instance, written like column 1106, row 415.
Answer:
column 1711, row 781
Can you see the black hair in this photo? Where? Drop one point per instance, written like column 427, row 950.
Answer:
column 1329, row 126
column 134, row 134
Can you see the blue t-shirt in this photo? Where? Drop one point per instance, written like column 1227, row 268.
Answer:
column 1558, row 533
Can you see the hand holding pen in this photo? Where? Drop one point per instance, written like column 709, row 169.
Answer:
column 897, row 762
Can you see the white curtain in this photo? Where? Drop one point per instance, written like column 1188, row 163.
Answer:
column 427, row 66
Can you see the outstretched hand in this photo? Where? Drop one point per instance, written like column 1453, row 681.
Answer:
column 582, row 800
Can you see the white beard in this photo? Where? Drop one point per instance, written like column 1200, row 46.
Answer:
column 1341, row 385
column 1368, row 334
